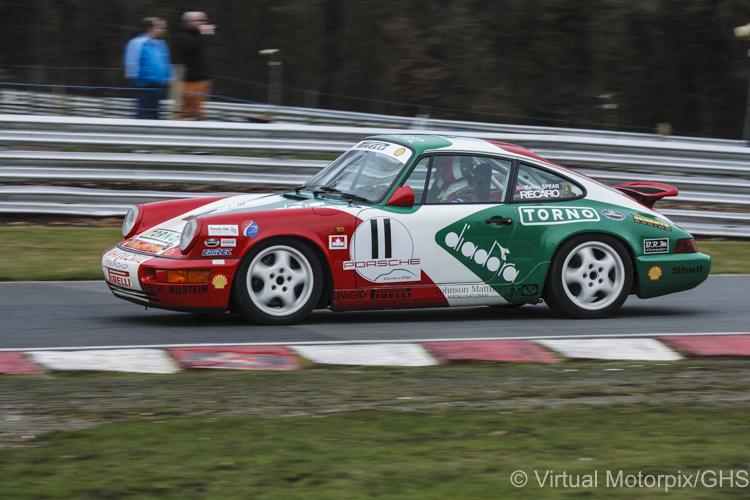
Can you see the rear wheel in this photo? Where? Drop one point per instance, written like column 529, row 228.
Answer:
column 278, row 282
column 590, row 277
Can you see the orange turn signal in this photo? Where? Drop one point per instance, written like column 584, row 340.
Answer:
column 176, row 276
column 198, row 276
column 188, row 276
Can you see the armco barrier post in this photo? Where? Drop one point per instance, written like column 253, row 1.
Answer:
column 743, row 33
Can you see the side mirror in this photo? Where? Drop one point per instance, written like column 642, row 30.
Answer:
column 403, row 197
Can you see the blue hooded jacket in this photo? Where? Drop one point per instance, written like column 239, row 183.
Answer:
column 146, row 61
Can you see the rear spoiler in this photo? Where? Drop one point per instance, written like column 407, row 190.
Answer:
column 647, row 193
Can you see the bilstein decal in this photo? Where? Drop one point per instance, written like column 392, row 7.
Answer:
column 382, row 251
column 547, row 215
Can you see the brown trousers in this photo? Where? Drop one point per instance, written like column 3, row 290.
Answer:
column 192, row 101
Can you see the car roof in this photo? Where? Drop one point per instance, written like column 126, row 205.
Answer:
column 446, row 143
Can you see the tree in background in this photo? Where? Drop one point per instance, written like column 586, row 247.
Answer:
column 536, row 62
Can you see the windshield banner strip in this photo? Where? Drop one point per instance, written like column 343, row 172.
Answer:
column 396, row 151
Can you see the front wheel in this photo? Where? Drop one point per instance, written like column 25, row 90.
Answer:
column 278, row 283
column 590, row 277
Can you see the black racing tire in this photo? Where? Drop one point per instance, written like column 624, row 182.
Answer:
column 278, row 282
column 590, row 277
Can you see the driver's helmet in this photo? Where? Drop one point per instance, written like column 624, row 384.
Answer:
column 464, row 170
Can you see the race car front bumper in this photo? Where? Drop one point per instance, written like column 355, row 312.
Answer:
column 166, row 283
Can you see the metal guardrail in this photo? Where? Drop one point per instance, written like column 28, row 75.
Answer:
column 706, row 172
column 48, row 103
column 329, row 136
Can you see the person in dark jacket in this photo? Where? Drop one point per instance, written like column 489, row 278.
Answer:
column 148, row 67
column 194, row 37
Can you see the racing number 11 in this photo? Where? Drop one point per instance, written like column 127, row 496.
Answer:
column 374, row 236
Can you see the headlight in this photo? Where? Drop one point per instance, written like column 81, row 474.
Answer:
column 188, row 235
column 128, row 225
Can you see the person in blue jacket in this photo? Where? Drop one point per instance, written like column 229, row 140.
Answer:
column 148, row 67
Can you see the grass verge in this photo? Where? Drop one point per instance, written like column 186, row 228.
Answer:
column 74, row 253
column 727, row 257
column 434, row 455
column 54, row 253
column 456, row 431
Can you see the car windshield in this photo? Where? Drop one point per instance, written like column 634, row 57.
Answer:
column 364, row 173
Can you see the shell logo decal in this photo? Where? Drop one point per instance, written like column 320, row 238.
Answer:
column 219, row 281
column 654, row 273
column 399, row 152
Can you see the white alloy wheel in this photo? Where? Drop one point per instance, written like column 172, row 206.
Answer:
column 280, row 281
column 590, row 277
column 593, row 275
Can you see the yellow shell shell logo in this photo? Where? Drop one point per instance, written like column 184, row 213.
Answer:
column 219, row 281
column 654, row 273
column 399, row 152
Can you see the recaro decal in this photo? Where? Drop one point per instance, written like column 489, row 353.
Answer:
column 547, row 216
column 382, row 251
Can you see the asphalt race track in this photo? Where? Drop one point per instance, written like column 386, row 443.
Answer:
column 86, row 314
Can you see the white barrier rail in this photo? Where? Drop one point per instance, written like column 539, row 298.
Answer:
column 48, row 103
column 713, row 173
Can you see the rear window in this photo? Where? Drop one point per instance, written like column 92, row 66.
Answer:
column 534, row 184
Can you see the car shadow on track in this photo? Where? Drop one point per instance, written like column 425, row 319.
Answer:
column 459, row 315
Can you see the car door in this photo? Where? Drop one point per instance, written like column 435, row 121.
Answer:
column 457, row 232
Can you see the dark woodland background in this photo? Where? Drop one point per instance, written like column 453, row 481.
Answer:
column 532, row 62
